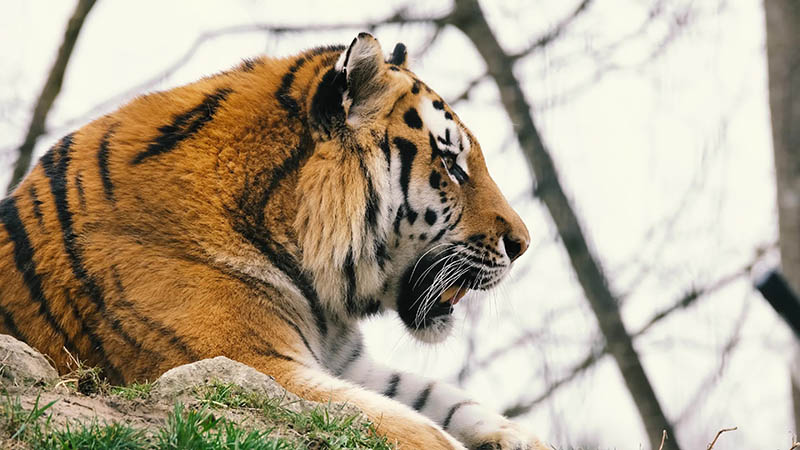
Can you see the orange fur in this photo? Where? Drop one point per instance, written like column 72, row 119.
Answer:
column 151, row 258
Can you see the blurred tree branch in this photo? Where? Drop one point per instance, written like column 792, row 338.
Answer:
column 554, row 33
column 688, row 299
column 468, row 17
column 400, row 17
column 50, row 91
column 783, row 64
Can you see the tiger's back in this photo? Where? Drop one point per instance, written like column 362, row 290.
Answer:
column 124, row 197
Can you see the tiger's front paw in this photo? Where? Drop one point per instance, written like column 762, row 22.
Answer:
column 506, row 435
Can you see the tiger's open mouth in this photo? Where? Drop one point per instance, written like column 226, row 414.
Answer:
column 430, row 289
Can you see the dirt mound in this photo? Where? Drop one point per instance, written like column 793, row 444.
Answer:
column 219, row 394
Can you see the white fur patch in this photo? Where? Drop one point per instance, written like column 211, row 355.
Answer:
column 439, row 125
column 340, row 62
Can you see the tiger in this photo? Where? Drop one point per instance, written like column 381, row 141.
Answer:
column 260, row 214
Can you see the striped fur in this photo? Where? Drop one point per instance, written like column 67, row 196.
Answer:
column 259, row 214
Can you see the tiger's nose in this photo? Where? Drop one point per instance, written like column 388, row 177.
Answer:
column 515, row 245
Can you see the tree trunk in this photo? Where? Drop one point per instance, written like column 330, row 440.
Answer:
column 783, row 62
column 49, row 92
column 469, row 18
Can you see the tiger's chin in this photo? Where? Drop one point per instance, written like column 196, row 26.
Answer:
column 428, row 294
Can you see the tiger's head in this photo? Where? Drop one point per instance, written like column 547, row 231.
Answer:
column 397, row 208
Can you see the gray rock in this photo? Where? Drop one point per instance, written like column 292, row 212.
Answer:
column 183, row 379
column 21, row 365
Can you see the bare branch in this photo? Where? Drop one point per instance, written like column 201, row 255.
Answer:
column 524, row 408
column 693, row 295
column 555, row 32
column 464, row 95
column 398, row 18
column 724, row 430
column 50, row 91
column 596, row 355
column 468, row 17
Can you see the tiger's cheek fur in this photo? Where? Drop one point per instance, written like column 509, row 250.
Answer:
column 341, row 224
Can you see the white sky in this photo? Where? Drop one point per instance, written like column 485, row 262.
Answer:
column 667, row 160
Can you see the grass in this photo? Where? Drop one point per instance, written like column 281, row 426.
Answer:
column 133, row 391
column 85, row 379
column 20, row 423
column 92, row 436
column 318, row 428
column 201, row 426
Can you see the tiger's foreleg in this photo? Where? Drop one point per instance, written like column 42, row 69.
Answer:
column 451, row 408
column 399, row 423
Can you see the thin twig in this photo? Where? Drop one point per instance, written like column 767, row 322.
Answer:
column 711, row 445
column 555, row 32
column 663, row 438
column 596, row 355
column 398, row 18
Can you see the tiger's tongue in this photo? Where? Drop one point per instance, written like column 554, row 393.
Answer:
column 453, row 294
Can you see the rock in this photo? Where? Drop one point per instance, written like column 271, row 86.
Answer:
column 22, row 365
column 183, row 379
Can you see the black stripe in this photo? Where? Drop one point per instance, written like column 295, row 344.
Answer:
column 55, row 163
column 79, row 186
column 381, row 255
column 184, row 126
column 102, row 160
column 384, row 144
column 284, row 98
column 255, row 282
column 352, row 357
column 270, row 352
column 151, row 324
column 249, row 222
column 94, row 340
column 407, row 153
column 23, row 258
column 435, row 150
column 37, row 205
column 267, row 290
column 248, row 64
column 287, row 264
column 373, row 202
column 391, row 390
column 11, row 326
column 282, row 94
column 350, row 290
column 401, row 212
column 452, row 411
column 439, row 235
column 457, row 221
column 422, row 398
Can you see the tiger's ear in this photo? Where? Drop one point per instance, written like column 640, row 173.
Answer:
column 363, row 65
column 399, row 56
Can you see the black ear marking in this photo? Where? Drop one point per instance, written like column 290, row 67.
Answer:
column 399, row 55
column 326, row 104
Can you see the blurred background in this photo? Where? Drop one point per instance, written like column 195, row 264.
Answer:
column 633, row 136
